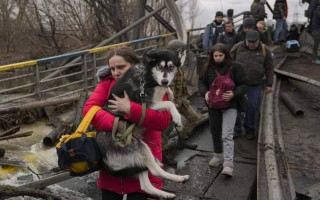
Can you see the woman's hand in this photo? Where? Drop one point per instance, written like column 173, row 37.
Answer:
column 206, row 97
column 120, row 104
column 228, row 95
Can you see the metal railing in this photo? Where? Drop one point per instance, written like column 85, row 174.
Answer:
column 28, row 79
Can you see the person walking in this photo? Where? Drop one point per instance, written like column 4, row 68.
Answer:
column 120, row 60
column 257, row 61
column 228, row 35
column 258, row 11
column 266, row 33
column 222, row 121
column 248, row 25
column 212, row 31
column 280, row 14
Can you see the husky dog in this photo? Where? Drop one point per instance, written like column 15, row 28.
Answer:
column 136, row 158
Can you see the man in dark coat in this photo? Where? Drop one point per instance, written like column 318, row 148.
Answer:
column 248, row 25
column 258, row 11
column 228, row 35
column 256, row 59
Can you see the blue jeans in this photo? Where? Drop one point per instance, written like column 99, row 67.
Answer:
column 281, row 29
column 253, row 105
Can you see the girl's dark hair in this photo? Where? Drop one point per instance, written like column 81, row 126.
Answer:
column 223, row 49
column 127, row 53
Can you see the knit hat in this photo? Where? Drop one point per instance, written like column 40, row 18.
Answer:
column 176, row 45
column 248, row 23
column 219, row 14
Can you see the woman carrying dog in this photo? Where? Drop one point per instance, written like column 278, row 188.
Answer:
column 119, row 61
column 222, row 120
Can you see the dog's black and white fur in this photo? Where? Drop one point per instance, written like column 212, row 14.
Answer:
column 136, row 158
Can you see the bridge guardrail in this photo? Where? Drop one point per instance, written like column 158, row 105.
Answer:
column 28, row 79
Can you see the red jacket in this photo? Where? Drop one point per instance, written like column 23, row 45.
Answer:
column 155, row 122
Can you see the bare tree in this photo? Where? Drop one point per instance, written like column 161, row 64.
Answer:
column 193, row 12
column 40, row 28
column 12, row 13
column 139, row 13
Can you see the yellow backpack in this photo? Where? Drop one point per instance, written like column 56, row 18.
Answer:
column 79, row 152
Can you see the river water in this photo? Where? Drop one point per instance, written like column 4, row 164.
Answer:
column 38, row 161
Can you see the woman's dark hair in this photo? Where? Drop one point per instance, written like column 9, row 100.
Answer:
column 127, row 53
column 223, row 49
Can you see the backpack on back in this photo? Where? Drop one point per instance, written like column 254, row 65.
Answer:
column 220, row 85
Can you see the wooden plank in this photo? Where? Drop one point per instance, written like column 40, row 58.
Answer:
column 17, row 163
column 25, row 134
column 238, row 187
column 201, row 177
column 10, row 131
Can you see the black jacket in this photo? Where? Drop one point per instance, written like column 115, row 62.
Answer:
column 238, row 75
column 258, row 11
column 256, row 64
column 227, row 39
column 280, row 9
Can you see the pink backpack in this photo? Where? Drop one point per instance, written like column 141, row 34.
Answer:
column 219, row 86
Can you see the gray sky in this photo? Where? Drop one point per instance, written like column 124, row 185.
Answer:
column 208, row 8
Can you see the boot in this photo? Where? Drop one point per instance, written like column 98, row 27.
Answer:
column 216, row 160
column 168, row 158
column 227, row 169
column 182, row 144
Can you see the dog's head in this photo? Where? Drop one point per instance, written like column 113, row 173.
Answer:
column 162, row 64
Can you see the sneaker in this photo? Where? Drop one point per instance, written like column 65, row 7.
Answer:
column 216, row 160
column 227, row 169
column 250, row 135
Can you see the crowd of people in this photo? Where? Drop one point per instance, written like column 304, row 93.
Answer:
column 242, row 57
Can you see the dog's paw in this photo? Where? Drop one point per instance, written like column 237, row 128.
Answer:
column 167, row 195
column 183, row 179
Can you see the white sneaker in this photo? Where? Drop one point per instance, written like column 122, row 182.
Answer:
column 227, row 169
column 216, row 160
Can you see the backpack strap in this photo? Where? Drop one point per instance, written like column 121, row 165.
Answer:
column 264, row 51
column 237, row 51
column 124, row 139
column 82, row 128
column 217, row 73
column 228, row 74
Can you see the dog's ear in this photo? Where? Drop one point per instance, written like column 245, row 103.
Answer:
column 150, row 55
